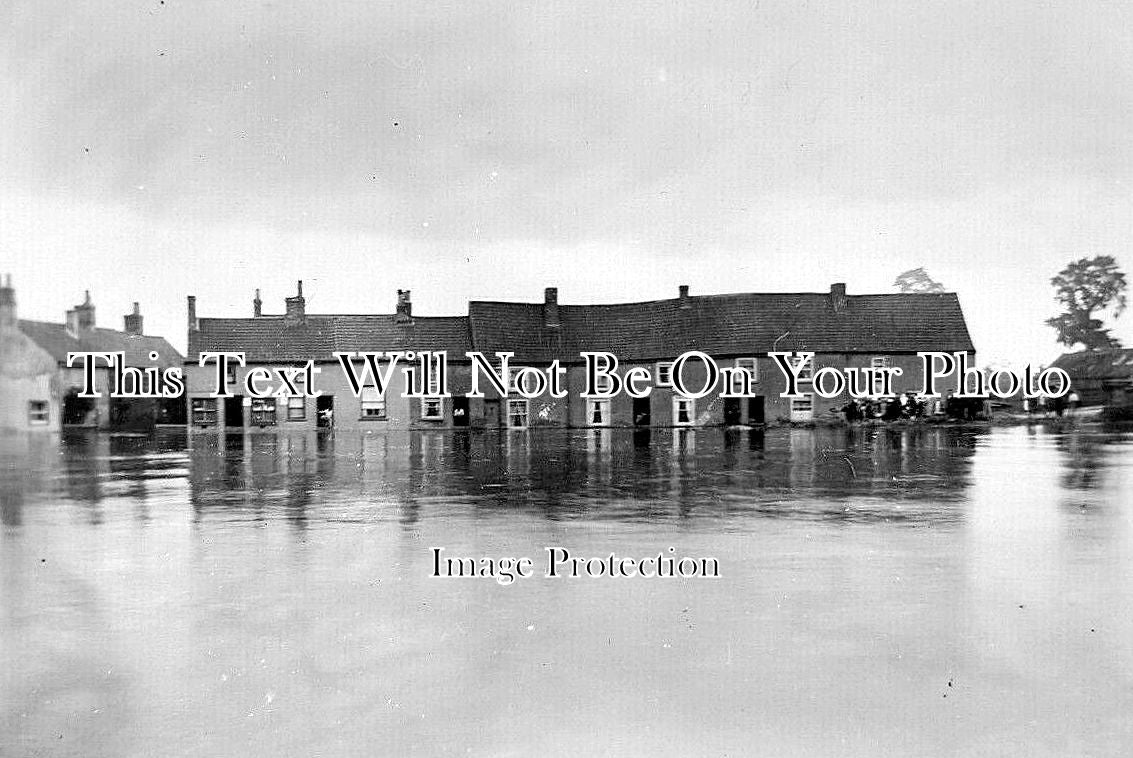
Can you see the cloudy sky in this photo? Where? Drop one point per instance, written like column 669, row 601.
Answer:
column 486, row 150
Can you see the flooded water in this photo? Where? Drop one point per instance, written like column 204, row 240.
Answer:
column 920, row 592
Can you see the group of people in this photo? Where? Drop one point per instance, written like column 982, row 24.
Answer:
column 909, row 407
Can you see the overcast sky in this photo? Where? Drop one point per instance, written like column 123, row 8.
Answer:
column 151, row 150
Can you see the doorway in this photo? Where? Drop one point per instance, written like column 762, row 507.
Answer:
column 733, row 411
column 641, row 412
column 324, row 411
column 755, row 410
column 234, row 412
column 460, row 410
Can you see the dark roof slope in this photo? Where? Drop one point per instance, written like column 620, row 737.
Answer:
column 271, row 339
column 57, row 340
column 1097, row 364
column 742, row 324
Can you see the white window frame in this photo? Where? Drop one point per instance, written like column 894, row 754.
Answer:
column 602, row 384
column 678, row 401
column 663, row 367
column 802, row 408
column 806, row 372
column 39, row 413
column 426, row 403
column 879, row 361
column 296, row 403
column 603, row 408
column 370, row 399
column 526, row 413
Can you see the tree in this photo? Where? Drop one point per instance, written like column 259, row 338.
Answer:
column 917, row 280
column 1086, row 287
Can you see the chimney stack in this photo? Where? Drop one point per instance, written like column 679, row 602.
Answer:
column 404, row 313
column 192, row 303
column 133, row 321
column 838, row 297
column 257, row 305
column 7, row 304
column 551, row 307
column 683, row 296
column 296, row 308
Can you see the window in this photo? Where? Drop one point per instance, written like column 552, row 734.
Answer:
column 527, row 382
column 878, row 363
column 802, row 409
column 683, row 411
column 664, row 373
column 373, row 404
column 204, row 411
column 38, row 413
column 517, row 414
column 263, row 411
column 748, row 366
column 598, row 412
column 432, row 409
column 806, row 373
column 602, row 384
column 297, row 408
column 230, row 374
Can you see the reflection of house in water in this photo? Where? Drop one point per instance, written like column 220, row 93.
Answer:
column 61, row 404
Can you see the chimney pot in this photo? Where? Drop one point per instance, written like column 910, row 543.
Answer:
column 133, row 321
column 551, row 307
column 838, row 296
column 257, row 305
column 683, row 296
column 296, row 308
column 404, row 310
column 192, row 308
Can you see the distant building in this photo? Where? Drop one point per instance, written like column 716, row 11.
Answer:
column 30, row 397
column 79, row 333
column 845, row 331
column 1101, row 377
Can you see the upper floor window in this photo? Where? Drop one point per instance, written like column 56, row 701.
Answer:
column 664, row 373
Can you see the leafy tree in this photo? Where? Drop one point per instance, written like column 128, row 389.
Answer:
column 917, row 280
column 1086, row 287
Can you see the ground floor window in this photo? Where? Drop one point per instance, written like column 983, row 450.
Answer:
column 263, row 411
column 204, row 411
column 432, row 409
column 802, row 408
column 373, row 404
column 517, row 414
column 683, row 411
column 38, row 413
column 598, row 412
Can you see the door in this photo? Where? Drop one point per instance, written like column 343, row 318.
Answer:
column 234, row 411
column 324, row 411
column 641, row 414
column 755, row 410
column 732, row 411
column 460, row 410
column 492, row 418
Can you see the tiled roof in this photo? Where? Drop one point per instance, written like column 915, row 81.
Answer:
column 1097, row 364
column 742, row 324
column 271, row 339
column 57, row 340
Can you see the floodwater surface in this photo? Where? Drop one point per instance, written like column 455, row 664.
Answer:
column 919, row 591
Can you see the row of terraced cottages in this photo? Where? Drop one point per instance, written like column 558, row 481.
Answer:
column 739, row 329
